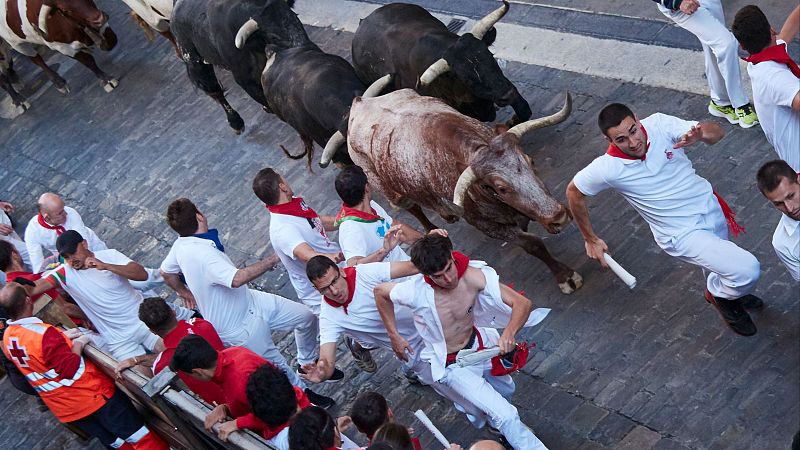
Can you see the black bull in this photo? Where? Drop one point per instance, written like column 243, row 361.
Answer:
column 408, row 42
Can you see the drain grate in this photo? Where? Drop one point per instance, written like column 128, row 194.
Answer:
column 455, row 25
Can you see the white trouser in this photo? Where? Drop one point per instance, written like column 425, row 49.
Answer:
column 732, row 271
column 483, row 397
column 721, row 50
column 269, row 312
column 138, row 343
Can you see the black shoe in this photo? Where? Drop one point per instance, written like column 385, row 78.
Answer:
column 733, row 313
column 319, row 399
column 337, row 374
column 750, row 301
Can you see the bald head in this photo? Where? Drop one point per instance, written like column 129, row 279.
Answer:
column 51, row 206
column 12, row 299
column 487, row 445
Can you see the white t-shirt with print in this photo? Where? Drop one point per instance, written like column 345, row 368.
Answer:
column 209, row 274
column 286, row 233
column 363, row 239
column 774, row 89
column 664, row 188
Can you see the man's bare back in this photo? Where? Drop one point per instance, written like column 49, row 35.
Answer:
column 455, row 308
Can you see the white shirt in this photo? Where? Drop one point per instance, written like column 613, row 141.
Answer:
column 107, row 299
column 363, row 239
column 286, row 233
column 37, row 236
column 489, row 311
column 786, row 241
column 362, row 321
column 664, row 188
column 15, row 240
column 209, row 274
column 774, row 88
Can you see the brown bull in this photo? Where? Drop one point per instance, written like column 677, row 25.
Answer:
column 420, row 152
column 69, row 27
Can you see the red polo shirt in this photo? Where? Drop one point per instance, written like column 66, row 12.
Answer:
column 207, row 390
column 234, row 366
column 10, row 276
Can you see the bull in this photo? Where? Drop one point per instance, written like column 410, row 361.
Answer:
column 408, row 42
column 420, row 152
column 153, row 15
column 8, row 76
column 233, row 35
column 70, row 27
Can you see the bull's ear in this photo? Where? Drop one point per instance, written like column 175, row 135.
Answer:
column 500, row 128
column 490, row 36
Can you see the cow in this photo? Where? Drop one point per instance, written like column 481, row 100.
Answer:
column 233, row 35
column 69, row 27
column 408, row 42
column 421, row 152
column 153, row 15
column 9, row 76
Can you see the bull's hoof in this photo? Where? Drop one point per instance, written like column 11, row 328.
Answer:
column 110, row 84
column 572, row 284
column 238, row 131
column 63, row 89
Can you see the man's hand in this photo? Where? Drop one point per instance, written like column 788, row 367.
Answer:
column 595, row 250
column 313, row 373
column 692, row 136
column 273, row 261
column 188, row 299
column 392, row 238
column 7, row 207
column 216, row 415
column 400, row 345
column 507, row 342
column 226, row 428
column 124, row 364
column 5, row 230
column 439, row 231
column 335, row 257
column 73, row 333
column 343, row 423
column 94, row 263
column 689, row 6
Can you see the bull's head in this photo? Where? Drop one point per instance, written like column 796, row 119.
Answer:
column 501, row 172
column 271, row 22
column 84, row 15
column 470, row 62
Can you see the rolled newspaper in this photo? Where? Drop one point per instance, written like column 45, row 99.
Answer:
column 432, row 428
column 623, row 274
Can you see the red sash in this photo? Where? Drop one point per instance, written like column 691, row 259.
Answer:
column 348, row 213
column 730, row 216
column 776, row 53
column 59, row 229
column 350, row 277
column 462, row 262
column 296, row 207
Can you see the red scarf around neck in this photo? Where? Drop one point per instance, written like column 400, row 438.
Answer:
column 296, row 207
column 462, row 262
column 348, row 213
column 776, row 53
column 350, row 277
column 59, row 229
column 302, row 403
column 614, row 151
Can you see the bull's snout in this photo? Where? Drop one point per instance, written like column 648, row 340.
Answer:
column 99, row 20
column 559, row 221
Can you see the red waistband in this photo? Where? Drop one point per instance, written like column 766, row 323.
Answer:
column 451, row 357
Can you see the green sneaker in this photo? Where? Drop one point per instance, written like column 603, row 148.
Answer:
column 747, row 116
column 724, row 111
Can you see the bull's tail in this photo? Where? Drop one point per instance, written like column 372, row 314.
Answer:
column 308, row 151
column 148, row 31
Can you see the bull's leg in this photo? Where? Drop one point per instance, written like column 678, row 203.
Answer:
column 568, row 280
column 251, row 86
column 107, row 81
column 417, row 212
column 202, row 76
column 17, row 99
column 55, row 78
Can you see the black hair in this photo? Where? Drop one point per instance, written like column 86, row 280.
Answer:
column 369, row 412
column 266, row 186
column 157, row 315
column 193, row 352
column 271, row 395
column 771, row 174
column 395, row 434
column 431, row 253
column 318, row 266
column 351, row 184
column 751, row 28
column 182, row 217
column 613, row 115
column 6, row 252
column 312, row 429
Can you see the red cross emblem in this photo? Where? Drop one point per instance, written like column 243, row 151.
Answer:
column 18, row 352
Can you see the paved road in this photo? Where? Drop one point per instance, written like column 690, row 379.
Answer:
column 649, row 368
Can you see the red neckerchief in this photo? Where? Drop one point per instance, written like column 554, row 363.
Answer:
column 348, row 213
column 614, row 151
column 296, row 207
column 776, row 53
column 462, row 262
column 350, row 277
column 59, row 229
column 302, row 403
column 730, row 216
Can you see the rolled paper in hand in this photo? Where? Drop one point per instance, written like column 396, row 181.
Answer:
column 623, row 274
column 432, row 428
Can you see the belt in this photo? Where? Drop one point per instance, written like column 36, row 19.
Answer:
column 451, row 357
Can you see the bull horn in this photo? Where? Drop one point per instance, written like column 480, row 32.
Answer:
column 484, row 25
column 464, row 182
column 534, row 124
column 43, row 14
column 439, row 67
column 330, row 148
column 377, row 86
column 245, row 31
